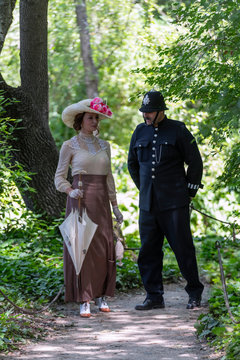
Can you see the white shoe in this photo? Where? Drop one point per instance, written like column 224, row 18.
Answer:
column 85, row 310
column 102, row 304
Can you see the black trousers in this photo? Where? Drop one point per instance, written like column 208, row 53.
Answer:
column 173, row 224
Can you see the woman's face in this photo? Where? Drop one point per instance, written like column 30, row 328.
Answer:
column 89, row 123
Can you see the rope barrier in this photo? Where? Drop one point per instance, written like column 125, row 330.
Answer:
column 218, row 246
column 225, row 294
column 206, row 215
column 233, row 225
column 209, row 216
column 32, row 312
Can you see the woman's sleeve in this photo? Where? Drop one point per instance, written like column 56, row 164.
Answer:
column 60, row 180
column 110, row 179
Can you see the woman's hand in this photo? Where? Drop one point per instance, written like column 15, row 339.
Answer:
column 118, row 214
column 76, row 193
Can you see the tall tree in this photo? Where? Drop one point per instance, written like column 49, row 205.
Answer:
column 90, row 70
column 34, row 146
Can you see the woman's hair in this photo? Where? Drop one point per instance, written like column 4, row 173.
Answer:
column 77, row 124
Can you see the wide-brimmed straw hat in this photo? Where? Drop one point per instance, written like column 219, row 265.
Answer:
column 95, row 105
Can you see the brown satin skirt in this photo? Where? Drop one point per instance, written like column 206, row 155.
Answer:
column 98, row 274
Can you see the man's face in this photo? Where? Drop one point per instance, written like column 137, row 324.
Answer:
column 150, row 116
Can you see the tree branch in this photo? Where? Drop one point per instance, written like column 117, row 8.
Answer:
column 6, row 17
column 118, row 45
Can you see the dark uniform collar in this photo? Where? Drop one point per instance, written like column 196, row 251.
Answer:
column 161, row 123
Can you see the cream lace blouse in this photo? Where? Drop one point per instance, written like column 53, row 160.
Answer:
column 86, row 155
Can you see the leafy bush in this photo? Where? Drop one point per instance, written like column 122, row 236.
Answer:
column 128, row 276
column 15, row 329
column 216, row 326
column 11, row 172
column 31, row 260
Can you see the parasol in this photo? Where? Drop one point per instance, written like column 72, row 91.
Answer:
column 77, row 232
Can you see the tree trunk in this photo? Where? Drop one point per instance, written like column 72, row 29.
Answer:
column 33, row 53
column 6, row 10
column 91, row 73
column 34, row 144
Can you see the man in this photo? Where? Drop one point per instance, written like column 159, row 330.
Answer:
column 158, row 150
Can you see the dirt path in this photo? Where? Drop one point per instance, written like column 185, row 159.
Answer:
column 125, row 333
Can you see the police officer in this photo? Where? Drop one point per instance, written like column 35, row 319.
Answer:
column 158, row 152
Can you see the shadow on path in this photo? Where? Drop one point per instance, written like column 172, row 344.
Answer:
column 125, row 333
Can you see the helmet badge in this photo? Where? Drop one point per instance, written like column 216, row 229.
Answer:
column 146, row 100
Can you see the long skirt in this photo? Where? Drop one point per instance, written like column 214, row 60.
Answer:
column 98, row 273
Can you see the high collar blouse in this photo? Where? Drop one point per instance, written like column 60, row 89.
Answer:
column 85, row 155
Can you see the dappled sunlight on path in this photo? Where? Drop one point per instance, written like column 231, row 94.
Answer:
column 125, row 333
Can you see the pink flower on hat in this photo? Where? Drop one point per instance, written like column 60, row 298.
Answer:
column 104, row 108
column 97, row 100
column 98, row 105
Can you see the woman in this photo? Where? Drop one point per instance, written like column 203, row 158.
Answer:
column 90, row 161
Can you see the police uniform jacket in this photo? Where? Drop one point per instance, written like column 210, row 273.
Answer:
column 165, row 162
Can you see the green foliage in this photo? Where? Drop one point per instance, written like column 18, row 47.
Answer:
column 31, row 260
column 31, row 264
column 14, row 327
column 31, row 272
column 233, row 345
column 230, row 174
column 220, row 334
column 11, row 172
column 28, row 244
column 66, row 82
column 208, row 327
column 216, row 326
column 201, row 65
column 128, row 276
column 123, row 35
column 194, row 60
